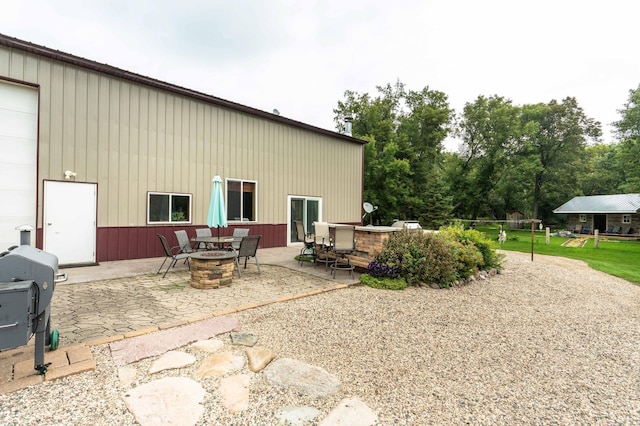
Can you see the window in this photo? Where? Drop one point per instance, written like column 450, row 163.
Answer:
column 168, row 208
column 626, row 218
column 241, row 200
column 583, row 218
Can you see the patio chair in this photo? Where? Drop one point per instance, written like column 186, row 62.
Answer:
column 626, row 231
column 344, row 242
column 609, row 230
column 323, row 243
column 183, row 241
column 308, row 251
column 248, row 248
column 615, row 230
column 172, row 253
column 586, row 229
column 204, row 232
column 577, row 228
column 238, row 233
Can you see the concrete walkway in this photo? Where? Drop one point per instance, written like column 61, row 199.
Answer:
column 124, row 299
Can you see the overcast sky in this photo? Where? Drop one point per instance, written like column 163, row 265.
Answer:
column 299, row 56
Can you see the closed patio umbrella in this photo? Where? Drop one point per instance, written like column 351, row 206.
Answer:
column 217, row 216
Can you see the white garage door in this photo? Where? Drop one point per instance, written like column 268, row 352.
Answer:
column 18, row 151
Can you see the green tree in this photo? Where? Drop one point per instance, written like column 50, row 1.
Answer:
column 628, row 132
column 603, row 174
column 554, row 139
column 489, row 129
column 403, row 159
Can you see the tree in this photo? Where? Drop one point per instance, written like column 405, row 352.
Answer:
column 554, row 139
column 489, row 129
column 604, row 174
column 405, row 130
column 628, row 132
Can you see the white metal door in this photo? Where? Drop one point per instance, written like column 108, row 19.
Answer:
column 70, row 221
column 18, row 148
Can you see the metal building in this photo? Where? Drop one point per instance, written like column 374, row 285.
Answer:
column 98, row 160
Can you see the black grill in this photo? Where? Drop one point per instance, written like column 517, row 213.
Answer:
column 27, row 280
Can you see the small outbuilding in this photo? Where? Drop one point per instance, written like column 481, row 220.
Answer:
column 617, row 213
column 515, row 219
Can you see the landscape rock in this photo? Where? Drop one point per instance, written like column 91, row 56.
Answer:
column 210, row 345
column 171, row 360
column 297, row 416
column 303, row 378
column 258, row 358
column 244, row 339
column 126, row 376
column 167, row 401
column 130, row 350
column 219, row 364
column 350, row 412
column 234, row 391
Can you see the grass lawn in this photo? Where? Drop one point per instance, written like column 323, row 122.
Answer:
column 615, row 257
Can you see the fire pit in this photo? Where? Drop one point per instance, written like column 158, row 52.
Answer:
column 212, row 269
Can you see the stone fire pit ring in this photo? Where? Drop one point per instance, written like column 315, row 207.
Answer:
column 212, row 269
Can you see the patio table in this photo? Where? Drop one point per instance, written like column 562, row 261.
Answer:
column 217, row 242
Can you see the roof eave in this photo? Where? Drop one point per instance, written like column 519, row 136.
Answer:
column 557, row 211
column 57, row 55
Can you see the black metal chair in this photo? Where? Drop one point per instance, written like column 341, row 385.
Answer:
column 248, row 248
column 308, row 251
column 238, row 233
column 183, row 241
column 344, row 242
column 203, row 232
column 172, row 253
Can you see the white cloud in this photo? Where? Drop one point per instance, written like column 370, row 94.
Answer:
column 300, row 57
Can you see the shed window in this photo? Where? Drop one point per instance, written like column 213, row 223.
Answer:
column 241, row 200
column 168, row 208
column 583, row 218
column 626, row 218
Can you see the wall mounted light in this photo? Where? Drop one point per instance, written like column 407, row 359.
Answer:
column 68, row 174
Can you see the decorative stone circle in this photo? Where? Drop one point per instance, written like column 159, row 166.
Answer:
column 212, row 269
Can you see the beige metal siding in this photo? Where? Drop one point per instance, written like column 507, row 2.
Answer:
column 130, row 139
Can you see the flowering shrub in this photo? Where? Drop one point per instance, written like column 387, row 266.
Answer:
column 383, row 270
column 425, row 258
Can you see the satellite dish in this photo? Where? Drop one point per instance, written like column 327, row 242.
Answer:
column 368, row 208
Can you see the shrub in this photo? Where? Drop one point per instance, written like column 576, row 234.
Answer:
column 468, row 237
column 386, row 283
column 421, row 257
column 468, row 257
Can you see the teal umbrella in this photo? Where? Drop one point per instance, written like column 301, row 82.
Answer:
column 217, row 214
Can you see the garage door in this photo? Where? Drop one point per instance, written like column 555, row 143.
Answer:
column 18, row 151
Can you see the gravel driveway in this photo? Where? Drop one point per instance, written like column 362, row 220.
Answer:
column 545, row 342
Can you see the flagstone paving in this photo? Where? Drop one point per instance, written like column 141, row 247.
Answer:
column 161, row 401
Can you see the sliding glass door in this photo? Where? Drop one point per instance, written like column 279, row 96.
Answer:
column 304, row 209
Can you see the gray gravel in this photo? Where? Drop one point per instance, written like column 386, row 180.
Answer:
column 548, row 342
